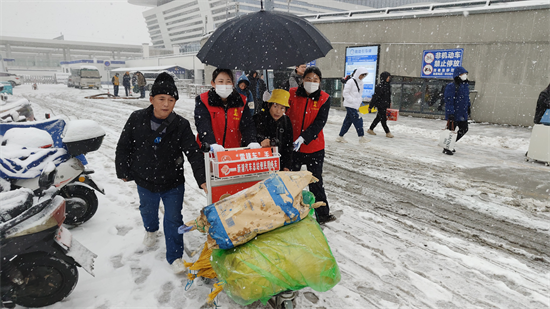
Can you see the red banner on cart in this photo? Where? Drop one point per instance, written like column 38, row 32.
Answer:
column 237, row 168
column 243, row 154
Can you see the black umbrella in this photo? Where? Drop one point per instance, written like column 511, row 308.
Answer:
column 264, row 40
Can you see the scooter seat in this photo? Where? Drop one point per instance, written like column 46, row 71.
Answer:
column 13, row 203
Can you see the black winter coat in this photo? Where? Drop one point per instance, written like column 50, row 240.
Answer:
column 159, row 169
column 126, row 80
column 543, row 103
column 382, row 93
column 203, row 121
column 279, row 131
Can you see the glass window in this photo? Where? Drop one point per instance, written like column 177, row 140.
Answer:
column 419, row 95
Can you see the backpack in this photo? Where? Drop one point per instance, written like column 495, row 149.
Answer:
column 345, row 79
column 356, row 85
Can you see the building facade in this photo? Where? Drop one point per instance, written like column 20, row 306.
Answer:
column 506, row 49
column 182, row 23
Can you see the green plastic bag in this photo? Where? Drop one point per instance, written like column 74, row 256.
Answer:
column 289, row 258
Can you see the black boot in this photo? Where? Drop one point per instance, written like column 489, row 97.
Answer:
column 325, row 219
column 447, row 152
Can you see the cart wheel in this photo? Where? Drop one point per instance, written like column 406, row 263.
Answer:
column 547, row 163
column 526, row 159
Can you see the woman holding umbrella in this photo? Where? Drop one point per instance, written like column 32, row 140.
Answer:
column 308, row 113
column 222, row 117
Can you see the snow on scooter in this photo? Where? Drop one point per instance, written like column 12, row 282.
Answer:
column 27, row 148
column 39, row 257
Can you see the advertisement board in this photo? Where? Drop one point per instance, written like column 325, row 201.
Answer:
column 364, row 56
column 441, row 63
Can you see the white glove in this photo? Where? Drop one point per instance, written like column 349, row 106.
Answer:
column 254, row 146
column 298, row 142
column 216, row 148
column 266, row 96
column 251, row 104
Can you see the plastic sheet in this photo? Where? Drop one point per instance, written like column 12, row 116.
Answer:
column 289, row 258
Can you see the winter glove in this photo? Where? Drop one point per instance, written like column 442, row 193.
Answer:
column 298, row 142
column 254, row 146
column 266, row 96
column 251, row 105
column 216, row 148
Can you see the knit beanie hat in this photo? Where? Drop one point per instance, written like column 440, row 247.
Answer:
column 164, row 84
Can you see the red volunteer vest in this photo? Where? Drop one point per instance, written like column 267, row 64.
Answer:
column 302, row 113
column 225, row 124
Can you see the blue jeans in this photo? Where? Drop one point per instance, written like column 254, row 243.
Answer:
column 142, row 90
column 352, row 116
column 173, row 219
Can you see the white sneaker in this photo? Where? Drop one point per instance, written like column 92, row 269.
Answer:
column 178, row 267
column 150, row 239
column 363, row 140
column 340, row 139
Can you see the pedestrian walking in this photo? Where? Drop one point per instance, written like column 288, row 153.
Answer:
column 141, row 82
column 257, row 86
column 222, row 117
column 126, row 83
column 243, row 88
column 308, row 113
column 273, row 127
column 116, row 83
column 381, row 99
column 353, row 97
column 457, row 104
column 543, row 103
column 150, row 152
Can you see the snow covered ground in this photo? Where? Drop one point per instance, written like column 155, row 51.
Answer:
column 419, row 229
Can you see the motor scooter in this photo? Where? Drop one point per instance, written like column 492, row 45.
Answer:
column 39, row 257
column 73, row 179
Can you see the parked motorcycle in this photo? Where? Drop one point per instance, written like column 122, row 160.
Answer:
column 39, row 257
column 73, row 179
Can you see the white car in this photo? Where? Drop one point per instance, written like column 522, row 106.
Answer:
column 13, row 79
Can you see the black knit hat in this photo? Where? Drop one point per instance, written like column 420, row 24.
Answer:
column 164, row 84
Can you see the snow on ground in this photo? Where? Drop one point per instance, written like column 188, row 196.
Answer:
column 419, row 229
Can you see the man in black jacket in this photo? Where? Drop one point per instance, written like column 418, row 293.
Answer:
column 150, row 152
column 381, row 99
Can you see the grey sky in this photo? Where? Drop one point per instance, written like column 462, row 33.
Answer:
column 114, row 21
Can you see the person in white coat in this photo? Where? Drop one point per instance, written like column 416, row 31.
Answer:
column 353, row 96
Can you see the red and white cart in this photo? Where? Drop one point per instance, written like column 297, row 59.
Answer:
column 235, row 169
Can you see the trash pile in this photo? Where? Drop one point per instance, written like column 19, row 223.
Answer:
column 263, row 241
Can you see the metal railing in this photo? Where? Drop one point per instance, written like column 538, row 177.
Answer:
column 195, row 89
column 428, row 8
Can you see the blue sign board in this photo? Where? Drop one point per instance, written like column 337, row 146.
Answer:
column 441, row 63
column 367, row 57
column 311, row 63
column 107, row 63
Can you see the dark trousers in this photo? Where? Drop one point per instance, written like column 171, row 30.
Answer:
column 127, row 90
column 116, row 90
column 142, row 91
column 462, row 128
column 352, row 117
column 173, row 219
column 380, row 117
column 314, row 162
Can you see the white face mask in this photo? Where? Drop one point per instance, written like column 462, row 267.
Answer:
column 224, row 90
column 464, row 76
column 311, row 87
